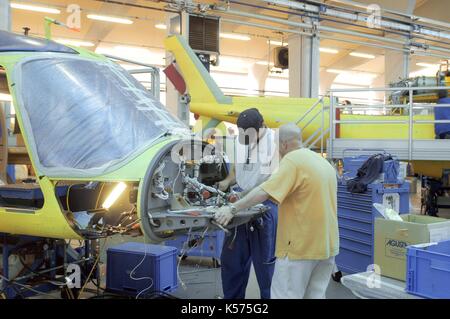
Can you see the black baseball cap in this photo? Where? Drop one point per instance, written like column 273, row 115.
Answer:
column 250, row 118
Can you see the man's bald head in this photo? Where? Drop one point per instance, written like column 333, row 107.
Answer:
column 290, row 138
column 289, row 132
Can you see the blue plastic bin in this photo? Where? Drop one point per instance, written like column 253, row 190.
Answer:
column 210, row 246
column 156, row 273
column 428, row 270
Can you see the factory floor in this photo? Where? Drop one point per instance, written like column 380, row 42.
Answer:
column 198, row 279
column 201, row 281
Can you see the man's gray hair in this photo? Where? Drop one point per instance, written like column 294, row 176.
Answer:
column 289, row 132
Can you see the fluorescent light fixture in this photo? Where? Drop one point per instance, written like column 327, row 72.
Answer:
column 109, row 19
column 265, row 63
column 161, row 26
column 337, row 71
column 328, row 50
column 114, row 195
column 277, row 43
column 5, row 97
column 353, row 73
column 76, row 43
column 362, row 55
column 427, row 65
column 235, row 36
column 29, row 7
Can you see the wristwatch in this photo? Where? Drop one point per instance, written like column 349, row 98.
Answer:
column 233, row 210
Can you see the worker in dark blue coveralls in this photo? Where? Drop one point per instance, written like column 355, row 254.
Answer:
column 442, row 130
column 256, row 157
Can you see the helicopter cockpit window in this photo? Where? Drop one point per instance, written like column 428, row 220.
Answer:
column 86, row 117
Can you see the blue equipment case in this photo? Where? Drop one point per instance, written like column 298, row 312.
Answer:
column 136, row 268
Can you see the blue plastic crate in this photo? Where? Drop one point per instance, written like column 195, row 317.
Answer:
column 157, row 271
column 189, row 245
column 356, row 216
column 428, row 270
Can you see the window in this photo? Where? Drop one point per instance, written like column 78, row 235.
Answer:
column 82, row 117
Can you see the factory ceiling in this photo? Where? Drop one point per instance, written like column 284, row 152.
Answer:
column 143, row 33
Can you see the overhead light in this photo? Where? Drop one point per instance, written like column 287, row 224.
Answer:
column 265, row 63
column 362, row 55
column 328, row 50
column 353, row 72
column 161, row 26
column 337, row 71
column 5, row 97
column 29, row 7
column 76, row 43
column 114, row 195
column 235, row 36
column 427, row 65
column 277, row 43
column 109, row 19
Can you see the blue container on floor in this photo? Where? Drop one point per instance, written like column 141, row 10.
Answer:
column 356, row 220
column 428, row 270
column 157, row 270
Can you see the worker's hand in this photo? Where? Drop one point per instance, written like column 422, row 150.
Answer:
column 234, row 197
column 224, row 185
column 224, row 215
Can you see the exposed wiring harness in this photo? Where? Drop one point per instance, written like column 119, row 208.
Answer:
column 142, row 278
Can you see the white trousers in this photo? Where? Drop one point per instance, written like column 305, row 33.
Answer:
column 301, row 279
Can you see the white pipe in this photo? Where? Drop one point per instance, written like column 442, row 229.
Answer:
column 325, row 28
column 359, row 18
column 310, row 26
column 324, row 36
column 403, row 14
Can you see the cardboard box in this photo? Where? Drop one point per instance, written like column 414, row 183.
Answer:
column 392, row 238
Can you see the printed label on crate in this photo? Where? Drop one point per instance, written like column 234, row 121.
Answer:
column 395, row 248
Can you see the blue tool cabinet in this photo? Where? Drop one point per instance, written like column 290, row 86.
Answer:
column 356, row 216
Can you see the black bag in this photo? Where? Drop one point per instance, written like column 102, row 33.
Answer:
column 368, row 173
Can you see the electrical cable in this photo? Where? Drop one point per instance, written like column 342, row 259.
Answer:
column 142, row 278
column 94, row 266
column 176, row 178
column 185, row 251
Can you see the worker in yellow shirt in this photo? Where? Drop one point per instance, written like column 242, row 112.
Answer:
column 305, row 187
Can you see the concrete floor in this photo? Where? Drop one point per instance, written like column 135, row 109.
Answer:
column 201, row 281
